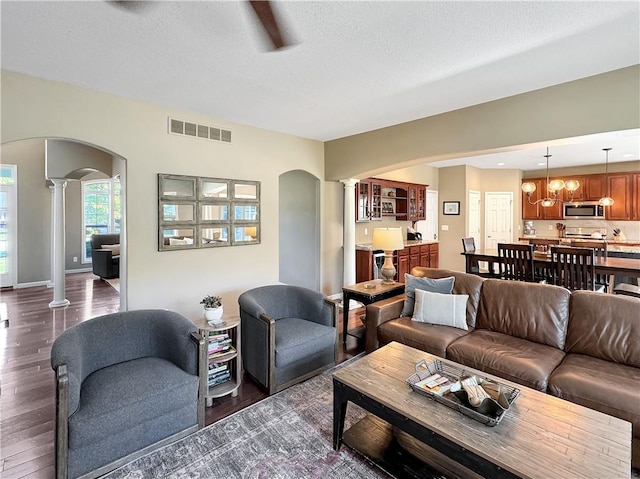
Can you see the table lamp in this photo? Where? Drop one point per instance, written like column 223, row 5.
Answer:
column 388, row 240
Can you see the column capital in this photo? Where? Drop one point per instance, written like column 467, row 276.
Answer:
column 349, row 182
column 58, row 182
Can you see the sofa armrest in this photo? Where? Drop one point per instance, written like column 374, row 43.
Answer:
column 378, row 313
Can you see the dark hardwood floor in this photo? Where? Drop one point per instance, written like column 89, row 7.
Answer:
column 27, row 404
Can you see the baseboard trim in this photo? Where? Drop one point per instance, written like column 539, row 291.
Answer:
column 48, row 283
column 32, row 284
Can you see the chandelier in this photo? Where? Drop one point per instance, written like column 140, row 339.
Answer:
column 606, row 200
column 554, row 188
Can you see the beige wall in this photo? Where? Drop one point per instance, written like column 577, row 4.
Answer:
column 601, row 103
column 34, row 211
column 620, row 167
column 137, row 131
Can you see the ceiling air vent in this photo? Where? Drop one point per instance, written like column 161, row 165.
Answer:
column 205, row 132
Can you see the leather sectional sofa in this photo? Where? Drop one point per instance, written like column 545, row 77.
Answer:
column 582, row 346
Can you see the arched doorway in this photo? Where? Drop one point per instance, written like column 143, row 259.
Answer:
column 299, row 229
column 33, row 258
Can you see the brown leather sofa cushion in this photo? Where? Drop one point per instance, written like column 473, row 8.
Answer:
column 536, row 312
column 518, row 360
column 431, row 338
column 464, row 284
column 607, row 387
column 605, row 326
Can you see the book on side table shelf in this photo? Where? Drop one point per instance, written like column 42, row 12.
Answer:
column 224, row 371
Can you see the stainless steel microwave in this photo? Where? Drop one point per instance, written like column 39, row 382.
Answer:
column 583, row 210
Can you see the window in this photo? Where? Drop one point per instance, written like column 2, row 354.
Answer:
column 101, row 210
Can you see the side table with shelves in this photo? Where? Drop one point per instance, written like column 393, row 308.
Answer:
column 221, row 360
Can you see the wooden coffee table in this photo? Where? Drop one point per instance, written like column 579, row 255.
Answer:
column 541, row 436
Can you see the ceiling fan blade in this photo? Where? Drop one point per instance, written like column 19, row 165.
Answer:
column 265, row 14
column 130, row 5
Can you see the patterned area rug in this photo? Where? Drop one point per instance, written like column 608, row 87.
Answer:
column 285, row 436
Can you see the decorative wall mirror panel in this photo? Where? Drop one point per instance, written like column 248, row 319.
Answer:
column 200, row 212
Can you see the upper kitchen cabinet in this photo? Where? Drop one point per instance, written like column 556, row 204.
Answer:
column 579, row 194
column 624, row 188
column 363, row 200
column 635, row 193
column 377, row 198
column 594, row 187
column 532, row 211
column 620, row 191
column 416, row 202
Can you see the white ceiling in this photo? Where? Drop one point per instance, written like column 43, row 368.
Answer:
column 357, row 66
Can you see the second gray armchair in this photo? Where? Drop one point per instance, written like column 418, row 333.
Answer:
column 288, row 334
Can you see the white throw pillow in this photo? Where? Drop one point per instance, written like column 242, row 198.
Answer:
column 442, row 309
column 114, row 248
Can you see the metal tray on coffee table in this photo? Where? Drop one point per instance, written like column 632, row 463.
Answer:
column 492, row 409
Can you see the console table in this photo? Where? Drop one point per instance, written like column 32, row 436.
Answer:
column 366, row 293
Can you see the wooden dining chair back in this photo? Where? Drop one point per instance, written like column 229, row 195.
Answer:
column 516, row 261
column 544, row 242
column 543, row 274
column 600, row 250
column 573, row 268
column 468, row 244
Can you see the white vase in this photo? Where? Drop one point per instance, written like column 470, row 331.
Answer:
column 213, row 314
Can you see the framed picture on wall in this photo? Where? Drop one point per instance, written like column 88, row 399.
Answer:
column 450, row 207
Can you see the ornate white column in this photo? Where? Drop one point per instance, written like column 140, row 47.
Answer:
column 59, row 299
column 349, row 231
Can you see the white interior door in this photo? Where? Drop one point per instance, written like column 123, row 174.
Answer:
column 498, row 216
column 8, row 226
column 474, row 218
column 429, row 227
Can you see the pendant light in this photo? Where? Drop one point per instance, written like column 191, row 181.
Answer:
column 606, row 200
column 554, row 187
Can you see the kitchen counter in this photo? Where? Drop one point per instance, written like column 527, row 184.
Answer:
column 407, row 243
column 626, row 246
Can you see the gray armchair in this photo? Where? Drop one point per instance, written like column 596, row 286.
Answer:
column 104, row 262
column 288, row 334
column 126, row 383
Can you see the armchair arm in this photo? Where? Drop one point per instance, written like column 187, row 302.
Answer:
column 378, row 313
column 62, row 424
column 101, row 262
column 271, row 344
column 203, row 371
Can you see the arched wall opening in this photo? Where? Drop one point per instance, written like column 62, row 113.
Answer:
column 37, row 161
column 299, row 229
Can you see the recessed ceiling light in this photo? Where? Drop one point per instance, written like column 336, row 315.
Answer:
column 501, row 163
column 628, row 155
column 542, row 163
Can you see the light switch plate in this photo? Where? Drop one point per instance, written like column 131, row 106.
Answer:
column 445, row 227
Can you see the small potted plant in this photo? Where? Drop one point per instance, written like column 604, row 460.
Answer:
column 212, row 308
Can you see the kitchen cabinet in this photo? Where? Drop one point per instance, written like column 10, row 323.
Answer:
column 622, row 187
column 376, row 198
column 363, row 199
column 364, row 265
column 529, row 211
column 422, row 202
column 635, row 193
column 620, row 190
column 551, row 212
column 594, row 187
column 402, row 264
column 579, row 194
column 434, row 255
column 426, row 255
column 369, row 200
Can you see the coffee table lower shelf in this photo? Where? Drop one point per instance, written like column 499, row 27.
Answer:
column 373, row 438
